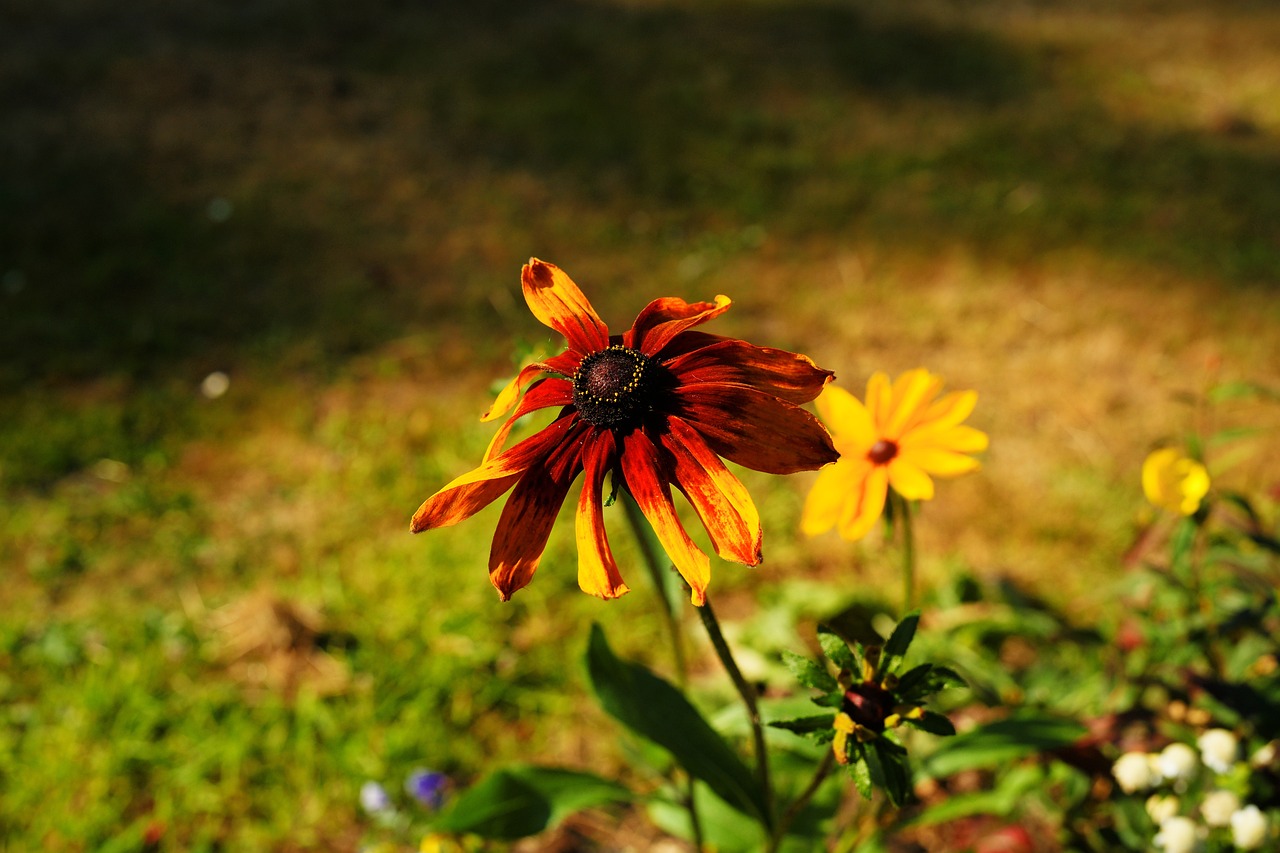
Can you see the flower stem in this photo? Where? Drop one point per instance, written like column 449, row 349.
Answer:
column 784, row 822
column 748, row 694
column 902, row 512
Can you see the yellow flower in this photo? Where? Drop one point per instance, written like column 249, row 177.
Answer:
column 902, row 437
column 1174, row 481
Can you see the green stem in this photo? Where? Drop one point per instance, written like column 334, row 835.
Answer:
column 902, row 512
column 784, row 822
column 748, row 694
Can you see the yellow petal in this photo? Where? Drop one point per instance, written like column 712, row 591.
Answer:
column 911, row 393
column 866, row 504
column 957, row 439
column 909, row 480
column 939, row 463
column 836, row 485
column 947, row 412
column 879, row 394
column 848, row 419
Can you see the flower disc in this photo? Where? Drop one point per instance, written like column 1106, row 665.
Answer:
column 611, row 388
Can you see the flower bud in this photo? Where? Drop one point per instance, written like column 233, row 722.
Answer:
column 1177, row 835
column 1178, row 762
column 1219, row 749
column 1162, row 807
column 1133, row 772
column 1249, row 828
column 1218, row 807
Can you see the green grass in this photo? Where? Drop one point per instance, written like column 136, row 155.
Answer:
column 1079, row 229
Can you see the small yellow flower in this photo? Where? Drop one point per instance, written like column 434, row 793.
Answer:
column 902, row 437
column 1174, row 481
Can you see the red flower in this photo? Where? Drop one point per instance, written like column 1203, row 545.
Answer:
column 657, row 406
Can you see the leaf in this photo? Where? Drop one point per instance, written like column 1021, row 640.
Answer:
column 520, row 801
column 860, row 772
column 899, row 641
column 836, row 649
column 806, row 724
column 889, row 770
column 921, row 682
column 1010, row 791
column 654, row 709
column 809, row 673
column 934, row 723
column 1001, row 742
column 723, row 828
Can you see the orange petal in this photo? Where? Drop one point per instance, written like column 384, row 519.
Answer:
column 663, row 319
column 642, row 471
column 473, row 491
column 597, row 571
column 546, row 393
column 786, row 375
column 720, row 499
column 755, row 429
column 862, row 512
column 557, row 302
column 564, row 364
column 530, row 513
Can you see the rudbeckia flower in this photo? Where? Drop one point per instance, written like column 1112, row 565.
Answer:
column 656, row 407
column 902, row 437
column 1174, row 481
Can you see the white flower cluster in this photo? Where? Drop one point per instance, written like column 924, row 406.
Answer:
column 1177, row 766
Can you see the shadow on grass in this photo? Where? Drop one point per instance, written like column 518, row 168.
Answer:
column 354, row 145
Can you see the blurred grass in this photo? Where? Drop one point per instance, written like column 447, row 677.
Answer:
column 331, row 203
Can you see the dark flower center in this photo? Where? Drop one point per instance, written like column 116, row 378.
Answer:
column 613, row 388
column 868, row 704
column 882, row 452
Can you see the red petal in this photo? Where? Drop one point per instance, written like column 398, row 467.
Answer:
column 557, row 302
column 564, row 364
column 663, row 319
column 478, row 488
column 786, row 375
column 721, row 501
column 755, row 429
column 530, row 513
column 643, row 472
column 597, row 570
column 546, row 393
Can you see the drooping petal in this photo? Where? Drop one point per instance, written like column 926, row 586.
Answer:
column 530, row 513
column 848, row 420
column 866, row 504
column 546, row 393
column 557, row 302
column 836, row 485
column 564, row 364
column 720, row 499
column 663, row 319
column 473, row 491
column 909, row 480
column 755, row 429
column 643, row 471
column 911, row 393
column 786, row 375
column 939, row 463
column 597, row 571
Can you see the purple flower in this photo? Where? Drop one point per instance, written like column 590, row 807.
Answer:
column 374, row 798
column 427, row 787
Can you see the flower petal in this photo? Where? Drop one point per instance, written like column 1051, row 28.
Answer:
column 836, row 485
column 911, row 393
column 939, row 463
column 597, row 571
column 557, row 302
column 909, row 480
column 848, row 419
column 786, row 375
column 957, row 439
column 564, row 364
column 948, row 411
column 468, row 494
column 646, row 481
column 665, row 318
column 879, row 395
column 720, row 499
column 530, row 513
column 755, row 429
column 861, row 513
column 546, row 393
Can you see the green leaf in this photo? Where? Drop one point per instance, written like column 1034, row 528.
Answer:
column 806, row 724
column 723, row 828
column 809, row 673
column 1001, row 742
column 889, row 770
column 654, row 709
column 899, row 641
column 934, row 723
column 837, row 650
column 860, row 772
column 1010, row 791
column 517, row 802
